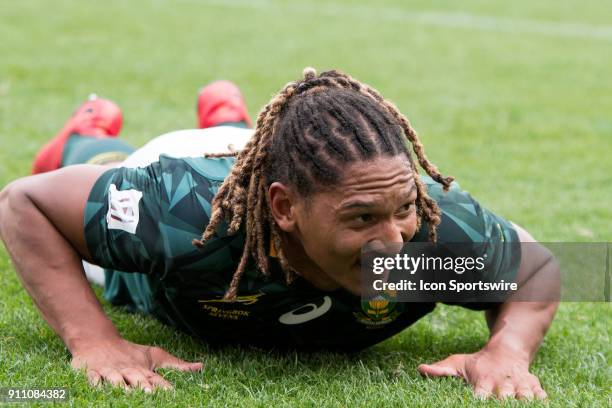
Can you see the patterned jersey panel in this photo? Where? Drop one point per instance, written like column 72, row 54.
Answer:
column 144, row 219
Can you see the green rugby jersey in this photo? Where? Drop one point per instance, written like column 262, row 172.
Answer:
column 144, row 220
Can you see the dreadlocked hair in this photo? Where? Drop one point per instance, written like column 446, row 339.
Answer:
column 303, row 138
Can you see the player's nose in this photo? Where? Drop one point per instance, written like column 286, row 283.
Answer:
column 391, row 232
column 389, row 239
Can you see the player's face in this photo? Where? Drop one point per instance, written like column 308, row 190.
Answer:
column 375, row 202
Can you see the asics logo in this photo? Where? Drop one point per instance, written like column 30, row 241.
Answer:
column 306, row 312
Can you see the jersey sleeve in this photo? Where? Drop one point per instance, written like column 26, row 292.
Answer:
column 464, row 220
column 121, row 219
column 145, row 219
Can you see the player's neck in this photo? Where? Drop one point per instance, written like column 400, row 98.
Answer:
column 305, row 267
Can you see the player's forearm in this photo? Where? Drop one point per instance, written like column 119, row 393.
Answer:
column 519, row 326
column 50, row 270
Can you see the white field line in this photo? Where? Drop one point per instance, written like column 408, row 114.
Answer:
column 429, row 18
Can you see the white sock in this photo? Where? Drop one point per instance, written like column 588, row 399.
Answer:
column 94, row 273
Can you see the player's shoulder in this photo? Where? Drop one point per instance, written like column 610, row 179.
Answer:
column 170, row 173
column 214, row 169
column 463, row 219
column 454, row 196
column 171, row 190
column 188, row 185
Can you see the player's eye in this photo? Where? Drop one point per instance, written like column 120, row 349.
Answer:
column 406, row 208
column 364, row 218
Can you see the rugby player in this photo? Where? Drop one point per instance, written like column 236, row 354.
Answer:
column 259, row 244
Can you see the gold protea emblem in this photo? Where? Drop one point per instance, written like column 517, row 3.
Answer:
column 378, row 305
column 378, row 311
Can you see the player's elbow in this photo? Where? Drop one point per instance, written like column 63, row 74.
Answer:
column 14, row 202
column 5, row 194
column 544, row 283
column 552, row 276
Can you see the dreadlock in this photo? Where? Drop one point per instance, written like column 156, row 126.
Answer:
column 304, row 137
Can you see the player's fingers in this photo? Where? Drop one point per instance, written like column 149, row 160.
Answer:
column 523, row 389
column 483, row 388
column 159, row 382
column 77, row 363
column 536, row 388
column 162, row 359
column 450, row 366
column 114, row 378
column 183, row 366
column 540, row 394
column 505, row 390
column 436, row 370
column 137, row 379
column 94, row 378
column 524, row 392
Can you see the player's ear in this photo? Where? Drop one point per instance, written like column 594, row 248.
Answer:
column 283, row 206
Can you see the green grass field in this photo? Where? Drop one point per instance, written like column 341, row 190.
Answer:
column 512, row 98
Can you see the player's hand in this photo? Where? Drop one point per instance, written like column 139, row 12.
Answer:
column 490, row 372
column 124, row 364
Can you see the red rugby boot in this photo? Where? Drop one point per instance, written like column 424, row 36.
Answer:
column 221, row 102
column 96, row 117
